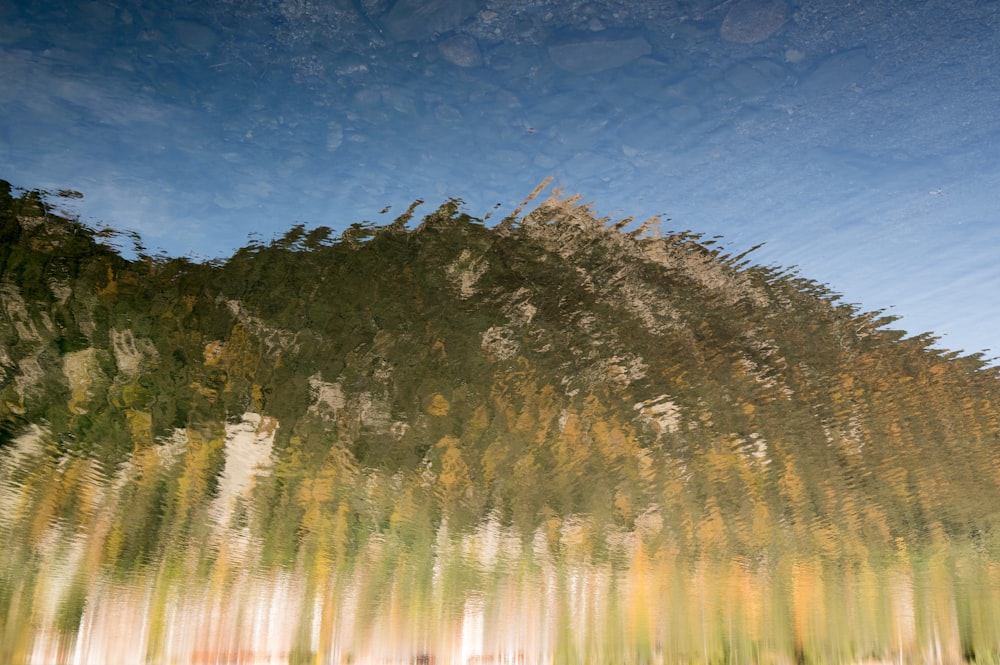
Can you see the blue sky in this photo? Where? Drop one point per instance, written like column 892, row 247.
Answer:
column 858, row 141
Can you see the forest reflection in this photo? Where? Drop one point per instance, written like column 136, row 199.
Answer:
column 551, row 441
column 490, row 597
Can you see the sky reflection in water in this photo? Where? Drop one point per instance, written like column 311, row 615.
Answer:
column 857, row 140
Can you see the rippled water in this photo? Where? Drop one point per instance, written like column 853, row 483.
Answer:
column 487, row 595
column 686, row 461
column 860, row 144
column 774, row 489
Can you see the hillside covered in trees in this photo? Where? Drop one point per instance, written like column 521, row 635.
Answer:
column 552, row 439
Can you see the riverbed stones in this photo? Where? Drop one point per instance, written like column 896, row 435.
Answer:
column 755, row 77
column 195, row 35
column 752, row 21
column 838, row 71
column 461, row 50
column 426, row 19
column 597, row 53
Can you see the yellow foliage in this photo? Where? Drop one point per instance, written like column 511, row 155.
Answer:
column 438, row 405
column 447, row 442
column 761, row 524
column 140, row 425
column 111, row 287
column 827, row 539
column 525, row 423
column 495, row 461
column 792, row 486
column 454, row 479
column 213, row 353
column 192, row 486
column 237, row 347
column 478, row 423
column 608, row 440
column 221, row 569
column 808, row 606
column 312, row 496
column 114, row 542
column 341, row 525
column 571, row 427
column 712, row 530
column 316, row 490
